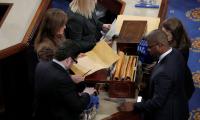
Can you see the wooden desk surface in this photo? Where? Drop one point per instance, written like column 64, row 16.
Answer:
column 130, row 9
column 19, row 24
column 108, row 108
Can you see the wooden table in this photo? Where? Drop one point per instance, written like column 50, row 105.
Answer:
column 108, row 108
column 130, row 9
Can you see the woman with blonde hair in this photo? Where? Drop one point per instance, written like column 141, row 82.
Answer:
column 83, row 27
column 51, row 33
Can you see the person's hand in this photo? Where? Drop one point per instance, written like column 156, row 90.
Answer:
column 126, row 107
column 89, row 90
column 151, row 66
column 106, row 27
column 109, row 42
column 77, row 78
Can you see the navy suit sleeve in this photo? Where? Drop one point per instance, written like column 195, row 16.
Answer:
column 162, row 88
column 72, row 100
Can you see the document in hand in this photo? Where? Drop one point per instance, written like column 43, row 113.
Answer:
column 100, row 57
column 111, row 32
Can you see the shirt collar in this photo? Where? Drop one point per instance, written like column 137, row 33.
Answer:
column 164, row 54
column 59, row 63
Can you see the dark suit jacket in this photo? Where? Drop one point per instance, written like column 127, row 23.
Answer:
column 167, row 96
column 86, row 32
column 56, row 96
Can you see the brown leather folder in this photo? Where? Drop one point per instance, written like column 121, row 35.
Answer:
column 124, row 116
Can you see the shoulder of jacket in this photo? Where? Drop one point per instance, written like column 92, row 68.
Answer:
column 75, row 17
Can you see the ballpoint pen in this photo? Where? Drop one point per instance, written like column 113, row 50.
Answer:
column 86, row 72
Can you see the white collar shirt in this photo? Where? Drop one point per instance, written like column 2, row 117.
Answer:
column 164, row 54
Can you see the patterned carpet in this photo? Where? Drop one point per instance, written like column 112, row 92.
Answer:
column 188, row 11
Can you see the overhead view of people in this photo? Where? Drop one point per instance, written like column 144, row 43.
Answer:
column 99, row 60
column 55, row 91
column 83, row 26
column 50, row 34
column 167, row 98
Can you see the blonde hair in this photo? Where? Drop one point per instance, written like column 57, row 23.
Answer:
column 83, row 7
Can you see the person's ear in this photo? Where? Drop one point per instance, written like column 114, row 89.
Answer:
column 159, row 46
column 67, row 60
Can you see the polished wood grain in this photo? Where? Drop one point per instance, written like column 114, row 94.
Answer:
column 114, row 6
column 163, row 10
column 98, row 77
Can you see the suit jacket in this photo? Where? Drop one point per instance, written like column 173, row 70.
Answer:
column 56, row 95
column 167, row 96
column 86, row 32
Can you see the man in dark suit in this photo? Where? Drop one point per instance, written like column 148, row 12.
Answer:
column 167, row 97
column 56, row 92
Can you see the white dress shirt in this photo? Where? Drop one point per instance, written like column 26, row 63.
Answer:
column 59, row 63
column 164, row 54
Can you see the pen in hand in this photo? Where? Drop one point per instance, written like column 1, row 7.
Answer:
column 86, row 73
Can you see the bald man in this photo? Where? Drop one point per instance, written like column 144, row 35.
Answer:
column 167, row 99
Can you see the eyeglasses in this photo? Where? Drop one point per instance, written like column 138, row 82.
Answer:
column 75, row 61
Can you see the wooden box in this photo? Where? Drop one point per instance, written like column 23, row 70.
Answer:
column 121, row 89
column 100, row 76
column 117, row 88
column 125, row 88
column 130, row 35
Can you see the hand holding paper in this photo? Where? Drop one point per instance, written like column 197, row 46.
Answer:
column 100, row 57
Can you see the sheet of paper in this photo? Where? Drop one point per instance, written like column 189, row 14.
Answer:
column 152, row 22
column 100, row 57
column 112, row 31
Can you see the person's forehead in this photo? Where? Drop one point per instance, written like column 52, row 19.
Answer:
column 150, row 42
